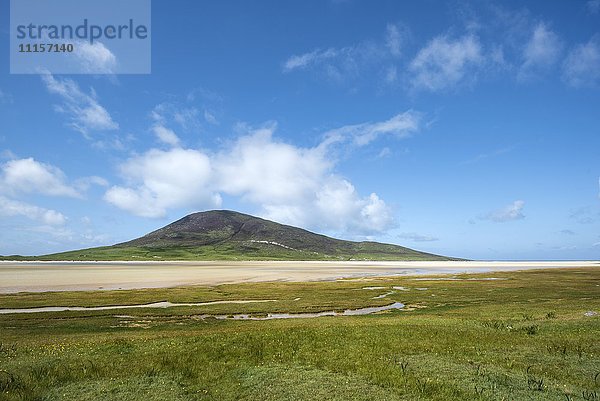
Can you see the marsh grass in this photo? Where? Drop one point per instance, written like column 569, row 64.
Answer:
column 475, row 340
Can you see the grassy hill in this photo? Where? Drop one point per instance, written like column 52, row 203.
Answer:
column 229, row 235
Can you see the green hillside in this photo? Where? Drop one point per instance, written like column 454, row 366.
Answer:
column 228, row 235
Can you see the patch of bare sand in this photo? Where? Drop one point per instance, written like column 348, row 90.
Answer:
column 86, row 276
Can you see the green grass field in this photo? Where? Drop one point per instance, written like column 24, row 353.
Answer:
column 528, row 336
column 233, row 251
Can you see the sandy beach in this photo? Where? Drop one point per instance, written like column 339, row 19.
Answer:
column 86, row 276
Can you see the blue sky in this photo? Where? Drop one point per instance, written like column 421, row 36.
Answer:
column 470, row 130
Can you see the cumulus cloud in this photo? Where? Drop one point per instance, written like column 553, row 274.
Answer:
column 340, row 208
column 512, row 212
column 95, row 58
column 286, row 183
column 85, row 113
column 540, row 52
column 158, row 180
column 445, row 62
column 296, row 185
column 27, row 176
column 30, row 176
column 265, row 170
column 582, row 66
column 9, row 207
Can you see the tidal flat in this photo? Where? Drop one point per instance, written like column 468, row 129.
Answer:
column 86, row 276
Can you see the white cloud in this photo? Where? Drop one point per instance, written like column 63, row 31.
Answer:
column 289, row 184
column 83, row 184
column 391, row 75
column 140, row 201
column 385, row 152
column 512, row 212
column 582, row 66
column 28, row 176
column 340, row 64
column 85, row 112
column 120, row 142
column 264, row 170
column 540, row 52
column 210, row 118
column 340, row 208
column 9, row 207
column 159, row 180
column 31, row 176
column 95, row 58
column 393, row 40
column 314, row 57
column 297, row 185
column 401, row 126
column 593, row 6
column 186, row 117
column 417, row 237
column 165, row 135
column 445, row 62
column 484, row 156
column 7, row 154
column 375, row 215
column 585, row 214
column 497, row 58
column 5, row 97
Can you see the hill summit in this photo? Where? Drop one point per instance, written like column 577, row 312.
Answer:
column 229, row 235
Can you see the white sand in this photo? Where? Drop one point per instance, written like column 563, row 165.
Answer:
column 85, row 276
